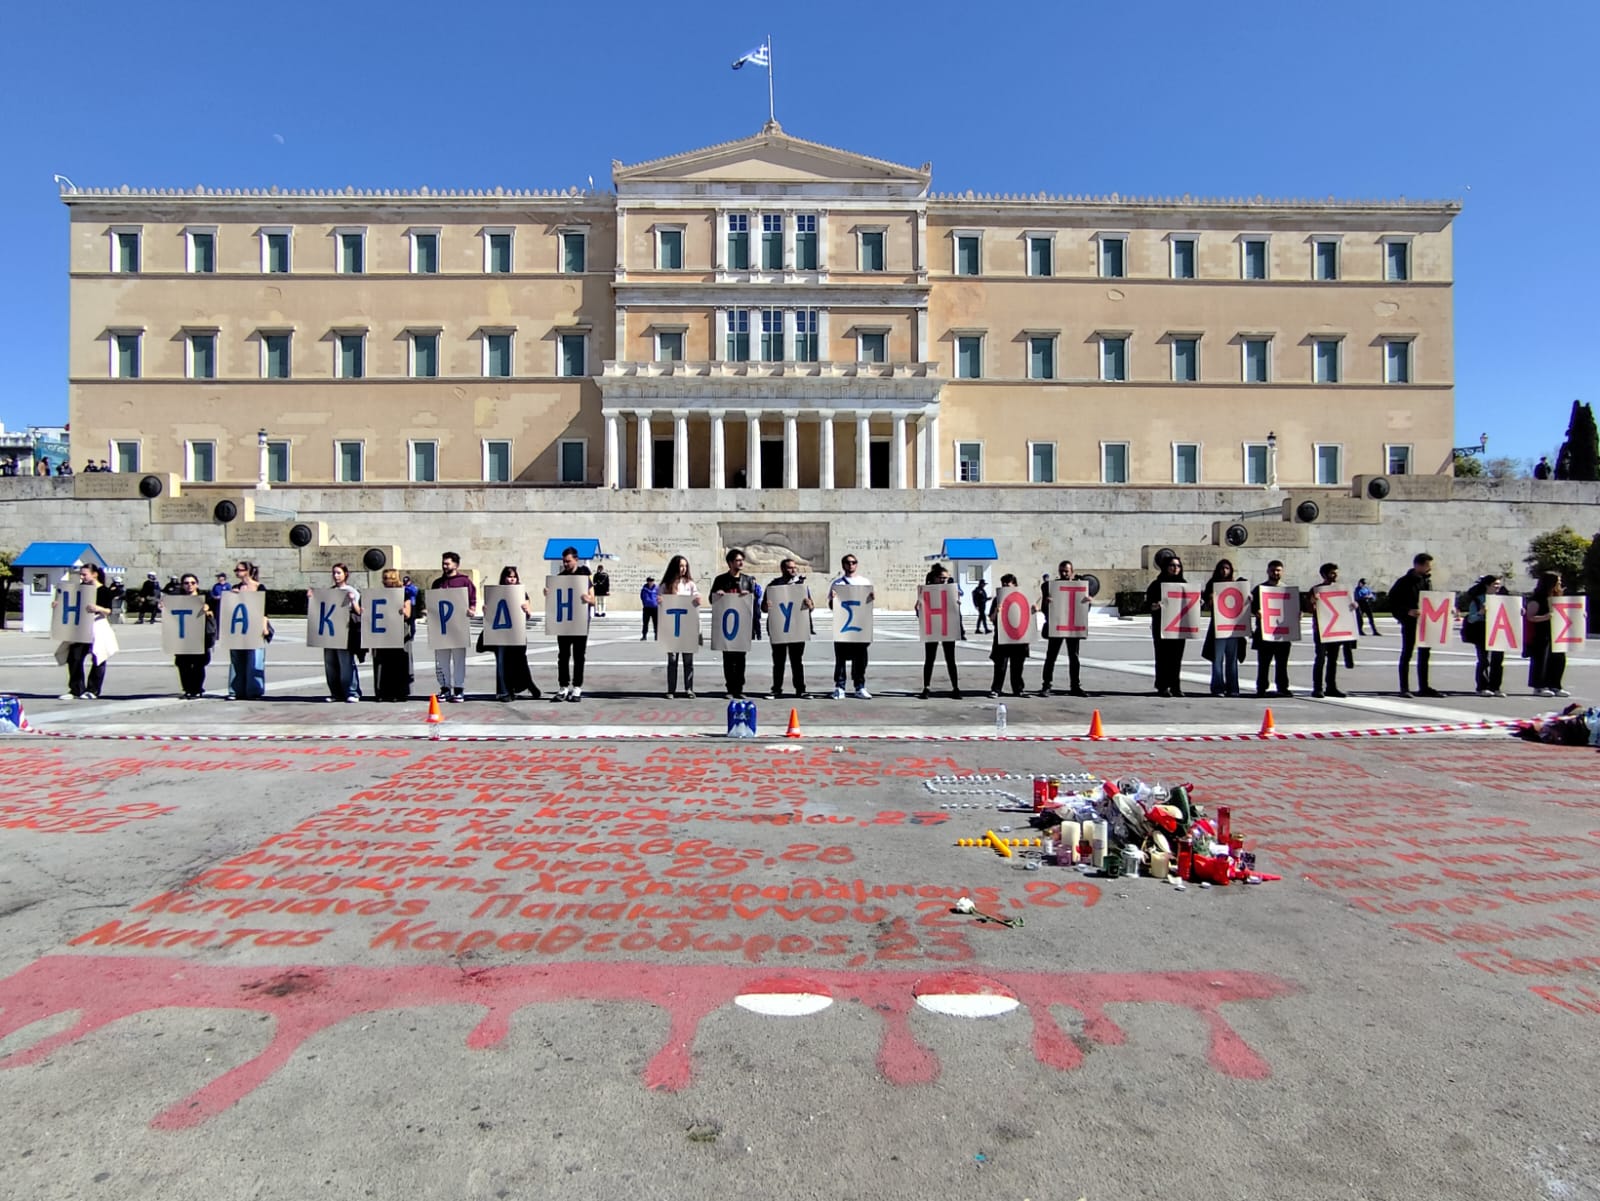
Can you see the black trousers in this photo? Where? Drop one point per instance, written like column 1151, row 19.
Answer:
column 1272, row 659
column 930, row 652
column 1053, row 649
column 1490, row 670
column 192, row 672
column 570, row 652
column 1169, row 664
column 792, row 653
column 1325, row 669
column 851, row 656
column 77, row 682
column 1008, row 660
column 733, row 672
column 652, row 618
column 1408, row 644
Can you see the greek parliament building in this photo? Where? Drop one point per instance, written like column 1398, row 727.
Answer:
column 766, row 313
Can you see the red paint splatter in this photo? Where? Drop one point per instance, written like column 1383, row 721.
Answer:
column 306, row 1000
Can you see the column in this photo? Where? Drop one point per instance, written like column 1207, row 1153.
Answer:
column 863, row 454
column 900, row 451
column 791, row 448
column 920, row 441
column 719, row 454
column 643, row 477
column 752, row 451
column 825, row 453
column 934, row 451
column 680, row 448
column 611, row 477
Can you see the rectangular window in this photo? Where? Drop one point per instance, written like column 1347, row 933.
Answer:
column 969, row 356
column 424, row 253
column 348, row 462
column 497, row 356
column 967, row 254
column 1185, row 360
column 1397, row 460
column 805, row 242
column 1257, row 355
column 1114, row 359
column 574, row 355
column 772, row 335
column 275, row 252
column 872, row 258
column 125, row 454
column 1113, row 258
column 275, row 356
column 424, row 356
column 352, row 356
column 125, row 355
column 352, row 253
column 772, row 241
column 573, row 454
column 669, row 249
column 1397, row 261
column 1325, row 361
column 1041, row 462
column 202, row 356
column 1325, row 260
column 1041, row 256
column 1042, row 356
column 1330, row 465
column 738, row 347
column 497, row 253
column 1253, row 258
column 202, row 251
column 200, row 462
column 1183, row 258
column 425, row 462
column 738, row 241
column 278, row 462
column 1397, row 362
column 969, row 462
column 496, row 461
column 1255, row 463
column 1113, row 462
column 669, row 346
column 1185, row 462
column 126, row 252
column 807, row 342
column 574, row 252
column 873, row 347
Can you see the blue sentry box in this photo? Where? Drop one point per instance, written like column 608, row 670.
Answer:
column 741, row 719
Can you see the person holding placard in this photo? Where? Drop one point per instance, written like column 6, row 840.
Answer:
column 938, row 576
column 86, row 684
column 1053, row 642
column 678, row 580
column 450, row 663
column 788, row 647
column 1272, row 653
column 849, row 657
column 1546, row 665
column 339, row 663
column 734, row 582
column 1490, row 671
column 1011, row 615
column 1224, row 652
column 1332, row 610
column 391, row 665
column 512, row 675
column 572, row 649
column 1405, row 599
column 192, row 667
column 247, row 668
column 1168, row 651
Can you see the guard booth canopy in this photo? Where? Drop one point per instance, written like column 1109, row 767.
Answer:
column 587, row 548
column 967, row 550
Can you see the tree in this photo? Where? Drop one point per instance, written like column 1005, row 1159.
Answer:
column 1579, row 457
column 1591, row 582
column 6, row 576
column 1561, row 550
column 1468, row 467
column 1505, row 468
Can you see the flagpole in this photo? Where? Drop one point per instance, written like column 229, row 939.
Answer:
column 772, row 109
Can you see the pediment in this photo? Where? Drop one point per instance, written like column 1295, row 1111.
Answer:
column 770, row 156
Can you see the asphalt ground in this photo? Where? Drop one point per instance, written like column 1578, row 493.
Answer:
column 338, row 961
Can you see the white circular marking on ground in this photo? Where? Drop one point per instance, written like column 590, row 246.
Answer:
column 783, row 1004
column 968, row 1005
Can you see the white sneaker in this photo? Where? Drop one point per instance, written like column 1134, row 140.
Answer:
column 1497, row 692
column 861, row 694
column 560, row 694
column 66, row 696
column 352, row 700
column 575, row 695
column 1562, row 692
column 1543, row 692
column 1485, row 692
column 838, row 694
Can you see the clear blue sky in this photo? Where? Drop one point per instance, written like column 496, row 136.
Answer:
column 1494, row 106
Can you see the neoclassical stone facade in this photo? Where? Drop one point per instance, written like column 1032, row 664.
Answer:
column 768, row 313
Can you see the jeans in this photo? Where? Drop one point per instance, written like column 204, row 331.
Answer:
column 1490, row 669
column 247, row 674
column 672, row 672
column 342, row 674
column 850, row 657
column 1225, row 666
column 1408, row 644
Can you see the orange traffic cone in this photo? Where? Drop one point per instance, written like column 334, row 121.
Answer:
column 794, row 724
column 1096, row 730
column 434, row 716
column 1268, row 728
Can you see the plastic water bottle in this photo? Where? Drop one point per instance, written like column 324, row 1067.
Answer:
column 999, row 719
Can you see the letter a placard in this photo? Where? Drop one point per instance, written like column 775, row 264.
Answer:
column 1502, row 630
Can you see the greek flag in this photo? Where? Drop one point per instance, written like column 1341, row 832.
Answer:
column 759, row 56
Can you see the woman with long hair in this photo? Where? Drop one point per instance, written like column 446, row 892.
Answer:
column 1168, row 651
column 1490, row 670
column 1545, row 665
column 1224, row 653
column 678, row 580
column 391, row 666
column 511, row 674
column 247, row 670
column 939, row 574
column 192, row 668
column 86, row 661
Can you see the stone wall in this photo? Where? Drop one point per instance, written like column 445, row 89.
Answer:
column 1471, row 526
